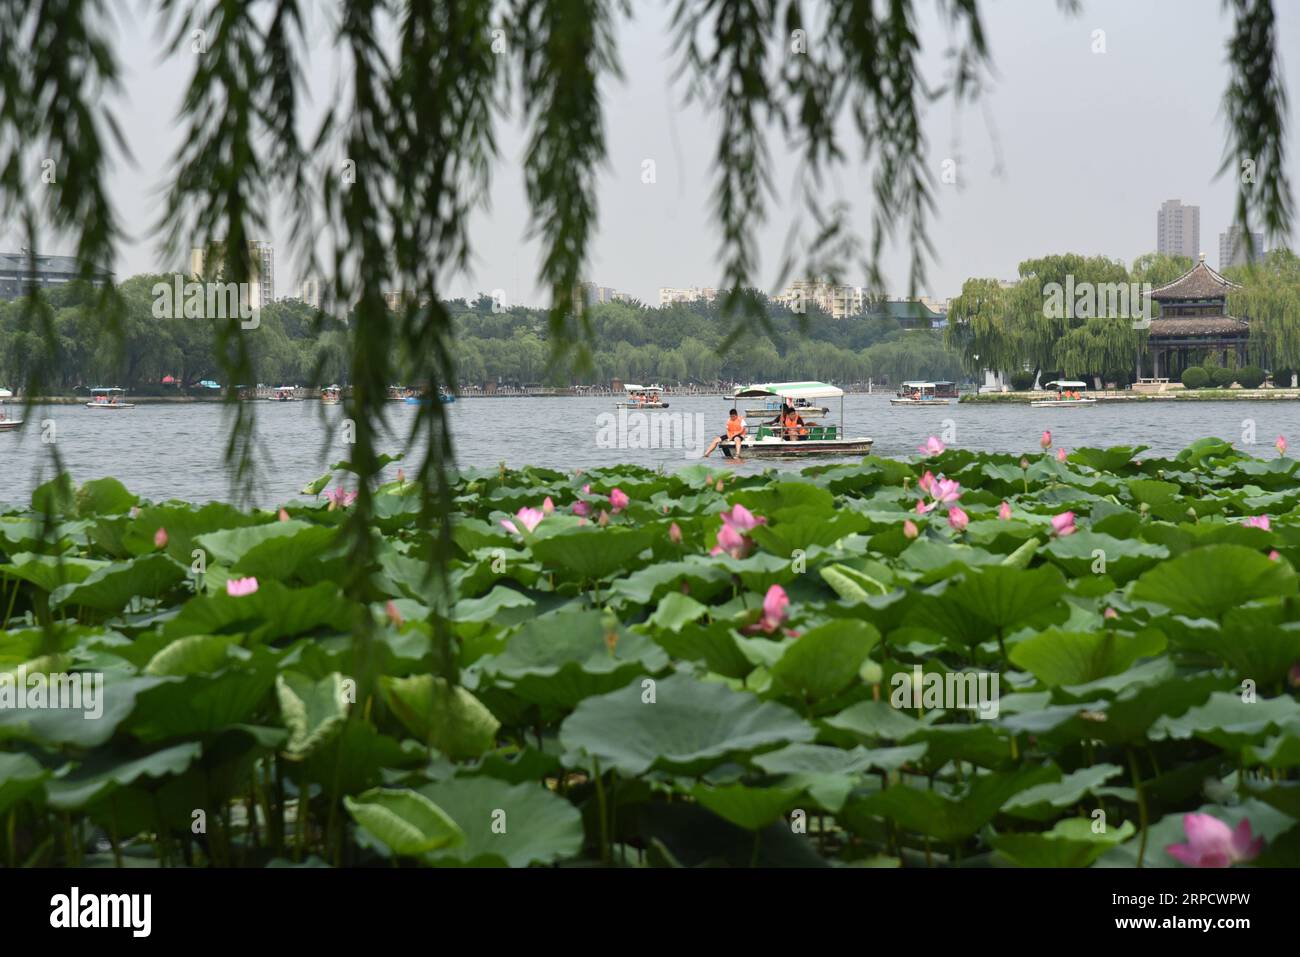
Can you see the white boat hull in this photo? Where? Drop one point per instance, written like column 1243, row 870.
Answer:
column 774, row 448
column 10, row 425
column 642, row 405
column 109, row 406
column 1061, row 403
column 898, row 401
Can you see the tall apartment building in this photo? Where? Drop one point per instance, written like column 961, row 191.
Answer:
column 1178, row 230
column 1232, row 247
column 668, row 294
column 837, row 301
column 206, row 262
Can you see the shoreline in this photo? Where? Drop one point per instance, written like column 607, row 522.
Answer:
column 1175, row 395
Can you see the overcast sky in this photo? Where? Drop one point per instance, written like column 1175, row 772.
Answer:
column 1068, row 151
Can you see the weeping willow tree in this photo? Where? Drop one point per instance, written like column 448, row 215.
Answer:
column 1039, row 323
column 393, row 173
column 1270, row 298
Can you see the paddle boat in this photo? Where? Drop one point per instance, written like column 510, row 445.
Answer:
column 108, row 400
column 285, row 393
column 917, row 393
column 769, row 440
column 1069, row 393
column 7, row 424
column 945, row 389
column 643, row 397
column 331, row 395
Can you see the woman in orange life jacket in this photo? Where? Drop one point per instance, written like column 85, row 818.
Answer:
column 735, row 433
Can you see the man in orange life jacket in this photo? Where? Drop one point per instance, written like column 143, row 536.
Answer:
column 735, row 433
column 793, row 425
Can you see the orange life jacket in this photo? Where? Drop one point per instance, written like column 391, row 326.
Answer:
column 735, row 427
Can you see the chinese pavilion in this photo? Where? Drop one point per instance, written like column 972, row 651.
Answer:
column 1194, row 323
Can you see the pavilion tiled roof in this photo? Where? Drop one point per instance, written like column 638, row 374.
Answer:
column 1178, row 328
column 1199, row 282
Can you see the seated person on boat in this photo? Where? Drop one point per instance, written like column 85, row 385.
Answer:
column 735, row 433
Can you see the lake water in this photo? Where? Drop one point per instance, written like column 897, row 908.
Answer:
column 176, row 451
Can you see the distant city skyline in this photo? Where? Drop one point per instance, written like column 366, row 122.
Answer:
column 1153, row 129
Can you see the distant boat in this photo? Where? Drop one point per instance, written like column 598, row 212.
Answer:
column 643, row 397
column 285, row 393
column 330, row 395
column 917, row 393
column 7, row 424
column 1064, row 388
column 108, row 400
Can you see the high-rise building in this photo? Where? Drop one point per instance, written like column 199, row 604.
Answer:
column 206, row 262
column 1232, row 247
column 1178, row 229
column 668, row 294
column 310, row 291
column 837, row 301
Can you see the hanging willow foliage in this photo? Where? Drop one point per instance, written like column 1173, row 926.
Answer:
column 1270, row 298
column 404, row 157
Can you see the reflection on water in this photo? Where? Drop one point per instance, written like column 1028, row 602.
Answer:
column 176, row 451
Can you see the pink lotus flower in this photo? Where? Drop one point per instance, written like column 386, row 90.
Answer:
column 586, row 490
column 282, row 515
column 741, row 518
column 926, row 482
column 160, row 538
column 1004, row 512
column 736, row 521
column 1274, row 555
column 581, row 509
column 603, row 519
column 932, row 447
column 1110, row 613
column 1024, row 463
column 339, row 498
column 239, row 587
column 1046, row 440
column 675, row 533
column 548, row 506
column 1280, row 445
column 401, row 476
column 730, row 541
column 529, row 518
column 1060, row 455
column 1256, row 521
column 775, row 603
column 1063, row 524
column 921, row 508
column 1211, row 843
column 618, row 499
column 942, row 491
column 135, row 511
column 958, row 519
column 909, row 529
column 395, row 616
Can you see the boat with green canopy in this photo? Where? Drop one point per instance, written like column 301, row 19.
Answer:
column 772, row 439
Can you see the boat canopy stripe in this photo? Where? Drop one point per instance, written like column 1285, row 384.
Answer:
column 642, row 388
column 920, row 385
column 790, row 390
column 1068, row 383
